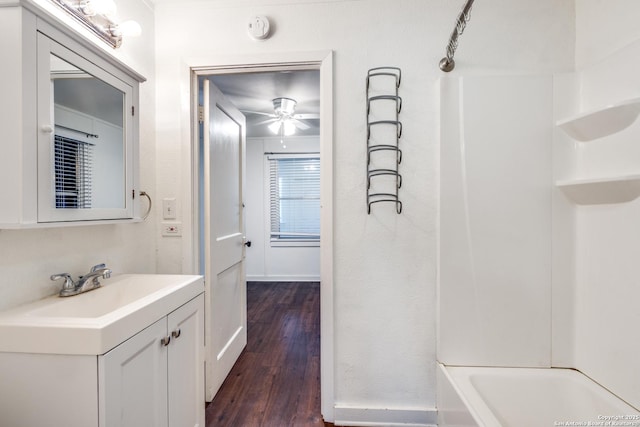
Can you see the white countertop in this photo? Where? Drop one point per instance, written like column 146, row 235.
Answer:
column 94, row 322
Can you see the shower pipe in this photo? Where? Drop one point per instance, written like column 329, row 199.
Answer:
column 447, row 63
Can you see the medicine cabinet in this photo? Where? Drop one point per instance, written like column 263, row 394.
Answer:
column 70, row 123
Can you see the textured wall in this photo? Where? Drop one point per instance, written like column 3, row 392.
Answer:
column 385, row 264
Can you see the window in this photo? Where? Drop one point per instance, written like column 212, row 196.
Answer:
column 72, row 173
column 294, row 200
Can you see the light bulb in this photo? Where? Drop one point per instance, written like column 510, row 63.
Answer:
column 106, row 8
column 289, row 128
column 127, row 29
column 275, row 127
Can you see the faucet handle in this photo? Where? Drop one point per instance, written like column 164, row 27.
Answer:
column 98, row 267
column 107, row 273
column 68, row 281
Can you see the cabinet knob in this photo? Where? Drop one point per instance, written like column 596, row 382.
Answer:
column 165, row 341
column 176, row 333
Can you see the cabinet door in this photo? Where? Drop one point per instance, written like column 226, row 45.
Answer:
column 133, row 381
column 186, row 365
column 85, row 143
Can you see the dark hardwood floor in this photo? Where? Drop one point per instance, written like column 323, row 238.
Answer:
column 276, row 380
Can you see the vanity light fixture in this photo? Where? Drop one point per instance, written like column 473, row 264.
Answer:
column 98, row 7
column 99, row 17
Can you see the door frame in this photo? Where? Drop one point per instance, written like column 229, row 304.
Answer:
column 235, row 64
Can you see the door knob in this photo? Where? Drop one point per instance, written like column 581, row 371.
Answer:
column 248, row 243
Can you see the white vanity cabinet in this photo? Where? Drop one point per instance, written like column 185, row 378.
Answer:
column 65, row 101
column 130, row 353
column 156, row 377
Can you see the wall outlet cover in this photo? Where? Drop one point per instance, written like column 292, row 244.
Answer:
column 171, row 229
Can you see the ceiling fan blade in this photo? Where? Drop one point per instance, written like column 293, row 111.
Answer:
column 309, row 116
column 263, row 122
column 300, row 125
column 257, row 112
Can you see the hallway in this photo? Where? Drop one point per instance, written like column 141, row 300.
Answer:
column 276, row 380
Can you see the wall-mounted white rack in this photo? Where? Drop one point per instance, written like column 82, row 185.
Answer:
column 599, row 191
column 379, row 191
column 601, row 122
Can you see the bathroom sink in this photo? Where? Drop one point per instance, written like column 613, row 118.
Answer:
column 95, row 321
column 112, row 296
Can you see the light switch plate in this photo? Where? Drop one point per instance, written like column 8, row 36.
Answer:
column 169, row 208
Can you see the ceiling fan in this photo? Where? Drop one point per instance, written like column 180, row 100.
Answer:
column 283, row 120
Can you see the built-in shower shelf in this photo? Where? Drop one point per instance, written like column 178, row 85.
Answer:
column 601, row 122
column 600, row 191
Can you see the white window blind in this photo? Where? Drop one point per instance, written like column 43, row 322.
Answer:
column 72, row 167
column 294, row 198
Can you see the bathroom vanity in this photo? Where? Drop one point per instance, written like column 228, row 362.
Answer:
column 130, row 353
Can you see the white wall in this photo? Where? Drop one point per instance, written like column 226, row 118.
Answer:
column 263, row 262
column 603, row 27
column 385, row 264
column 29, row 257
column 607, row 236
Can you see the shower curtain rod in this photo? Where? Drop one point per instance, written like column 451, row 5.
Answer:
column 447, row 63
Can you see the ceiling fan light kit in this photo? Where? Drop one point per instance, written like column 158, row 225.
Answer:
column 283, row 120
column 284, row 109
column 275, row 127
column 284, row 106
column 288, row 128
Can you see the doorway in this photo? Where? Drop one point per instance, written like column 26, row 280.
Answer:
column 322, row 62
column 282, row 187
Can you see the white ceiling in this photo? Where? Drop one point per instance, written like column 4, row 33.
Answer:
column 253, row 93
column 243, row 2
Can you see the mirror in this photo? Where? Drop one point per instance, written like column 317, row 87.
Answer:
column 88, row 139
column 85, row 149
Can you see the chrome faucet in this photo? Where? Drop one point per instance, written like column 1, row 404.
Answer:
column 85, row 283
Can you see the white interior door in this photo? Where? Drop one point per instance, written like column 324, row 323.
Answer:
column 224, row 166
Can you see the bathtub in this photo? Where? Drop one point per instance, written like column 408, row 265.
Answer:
column 526, row 397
